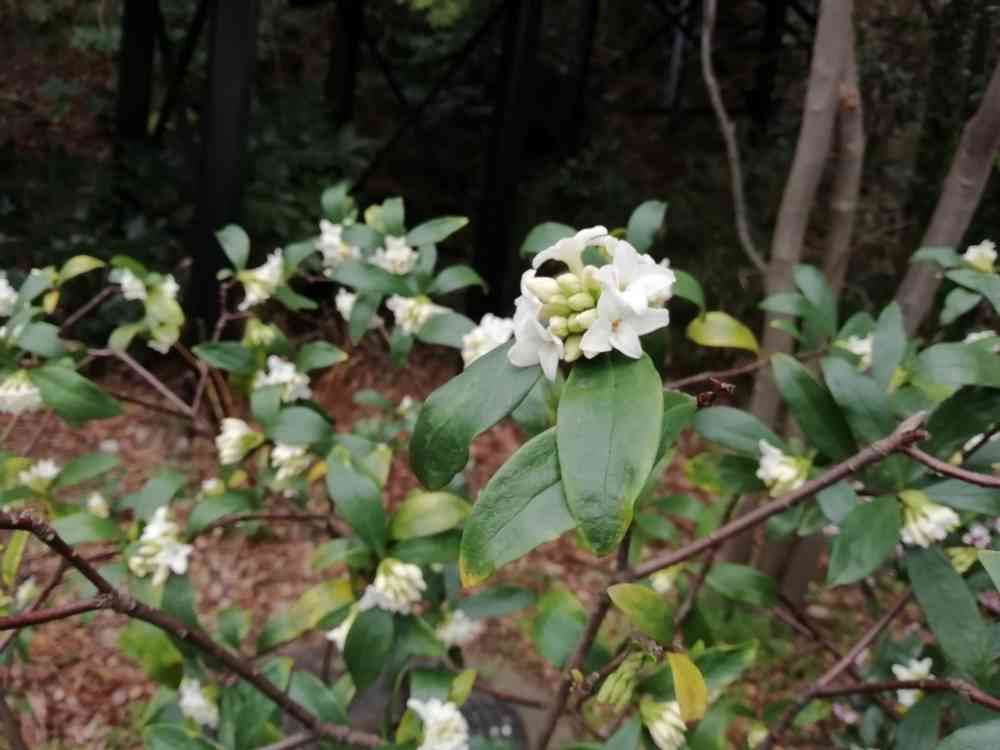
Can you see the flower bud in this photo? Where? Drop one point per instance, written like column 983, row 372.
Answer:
column 559, row 326
column 553, row 309
column 571, row 350
column 569, row 283
column 542, row 287
column 590, row 281
column 581, row 301
column 582, row 321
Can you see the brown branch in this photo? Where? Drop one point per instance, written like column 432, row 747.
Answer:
column 732, row 372
column 43, row 596
column 157, row 384
column 834, row 672
column 40, row 616
column 508, row 697
column 94, row 302
column 729, row 136
column 949, row 470
column 292, row 742
column 909, row 431
column 965, row 689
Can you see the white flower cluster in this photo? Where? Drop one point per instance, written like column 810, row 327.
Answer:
column 333, row 247
column 282, row 372
column 395, row 257
column 925, row 522
column 258, row 334
column 196, row 705
column 458, row 629
column 588, row 310
column 780, row 472
column 289, row 460
column 915, row 669
column 859, row 346
column 98, row 505
column 236, row 440
column 8, row 296
column 133, row 288
column 158, row 293
column 664, row 722
column 982, row 257
column 261, row 282
column 492, row 331
column 444, row 726
column 18, row 394
column 411, row 313
column 39, row 475
column 160, row 550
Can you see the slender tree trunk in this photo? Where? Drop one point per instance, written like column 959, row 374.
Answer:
column 960, row 194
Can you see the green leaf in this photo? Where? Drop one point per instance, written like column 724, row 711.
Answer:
column 427, row 550
column 235, row 244
column 337, row 205
column 173, row 737
column 365, row 307
column 12, row 555
column 357, row 498
column 72, row 396
column 742, row 583
column 153, row 650
column 497, row 601
column 991, row 561
column 968, row 412
column 607, row 432
column 719, row 329
column 889, row 344
column 121, row 337
column 865, row 405
column 692, row 693
column 446, row 329
column 483, row 394
column 232, row 625
column 435, row 230
column 85, row 467
column 975, row 737
column 455, row 278
column 645, row 609
column 543, row 237
column 81, row 527
column 265, row 403
column 293, row 300
column 77, row 266
column 955, row 365
column 210, row 509
column 42, row 339
column 644, row 223
column 521, row 507
column 400, row 344
column 919, row 728
column 230, row 356
column 351, row 551
column 155, row 492
column 786, row 303
column 868, row 536
column 965, row 496
column 299, row 425
column 308, row 690
column 369, row 644
column 558, row 625
column 461, row 686
column 951, row 610
column 295, row 253
column 815, row 411
column 365, row 277
column 735, row 429
column 394, row 216
column 957, row 303
column 987, row 284
column 687, row 287
column 678, row 410
column 308, row 610
column 628, row 736
column 821, row 315
column 837, row 501
column 427, row 513
column 318, row 354
column 946, row 257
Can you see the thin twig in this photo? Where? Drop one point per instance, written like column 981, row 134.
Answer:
column 43, row 597
column 909, row 431
column 41, row 616
column 94, row 302
column 732, row 372
column 949, row 470
column 292, row 742
column 965, row 689
column 729, row 136
column 507, row 697
column 149, row 377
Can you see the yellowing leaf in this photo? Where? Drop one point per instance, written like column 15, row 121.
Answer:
column 12, row 556
column 50, row 300
column 461, row 686
column 689, row 686
column 718, row 329
column 77, row 265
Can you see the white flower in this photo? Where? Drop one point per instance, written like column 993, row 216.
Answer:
column 39, row 475
column 133, row 288
column 339, row 634
column 981, row 256
column 261, row 282
column 664, row 722
column 213, row 486
column 333, row 247
column 406, row 406
column 860, row 346
column 459, row 629
column 915, row 669
column 663, row 581
column 491, row 332
column 289, row 460
column 781, row 473
column 641, row 280
column 236, row 440
column 977, row 536
column 397, row 587
column 160, row 551
column 619, row 326
column 258, row 334
column 18, row 394
column 196, row 705
column 109, row 445
column 569, row 250
column 8, row 296
column 411, row 313
column 975, row 336
column 282, row 372
column 396, row 257
column 444, row 726
column 345, row 303
column 169, row 287
column 534, row 343
column 26, row 593
column 925, row 522
column 98, row 505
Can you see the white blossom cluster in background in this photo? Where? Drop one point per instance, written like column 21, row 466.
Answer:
column 196, row 705
column 295, row 384
column 334, row 248
column 411, row 313
column 18, row 395
column 915, row 669
column 924, row 521
column 163, row 314
column 260, row 283
column 861, row 346
column 444, row 726
column 586, row 310
column 664, row 722
column 395, row 256
column 236, row 440
column 38, row 477
column 160, row 550
column 458, row 629
column 780, row 472
column 289, row 460
column 345, row 306
column 492, row 331
column 982, row 257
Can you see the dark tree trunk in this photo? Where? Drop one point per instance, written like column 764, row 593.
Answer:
column 135, row 67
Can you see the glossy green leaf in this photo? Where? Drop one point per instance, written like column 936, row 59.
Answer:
column 946, row 257
column 837, row 501
column 72, row 396
column 814, row 409
column 786, row 303
column 446, row 329
column 678, row 411
column 81, row 527
column 232, row 625
column 427, row 550
column 607, row 433
column 308, row 690
column 157, row 491
column 955, row 365
column 920, row 725
column 735, row 429
column 427, row 513
column 230, row 356
column 483, row 394
column 521, row 507
column 496, row 601
column 174, row 737
column 41, row 338
column 688, row 287
column 987, row 284
column 153, row 650
column 719, row 329
column 644, row 608
column 742, row 583
column 644, row 223
column 315, row 603
column 349, row 550
column 975, row 737
column 454, row 278
column 965, row 496
column 970, row 411
column 888, row 344
column 544, row 236
column 369, row 643
column 357, row 498
column 957, row 303
column 235, row 244
column 265, row 403
column 400, row 345
column 12, row 555
column 318, row 354
column 864, row 404
column 364, row 277
column 293, row 300
column 212, row 508
column 362, row 314
column 868, row 536
column 299, row 425
column 628, row 736
column 435, row 230
column 336, row 203
column 558, row 625
column 689, row 685
column 79, row 265
column 84, row 468
column 821, row 315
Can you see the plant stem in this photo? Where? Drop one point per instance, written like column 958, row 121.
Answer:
column 949, row 470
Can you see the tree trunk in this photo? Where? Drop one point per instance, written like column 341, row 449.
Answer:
column 960, row 194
